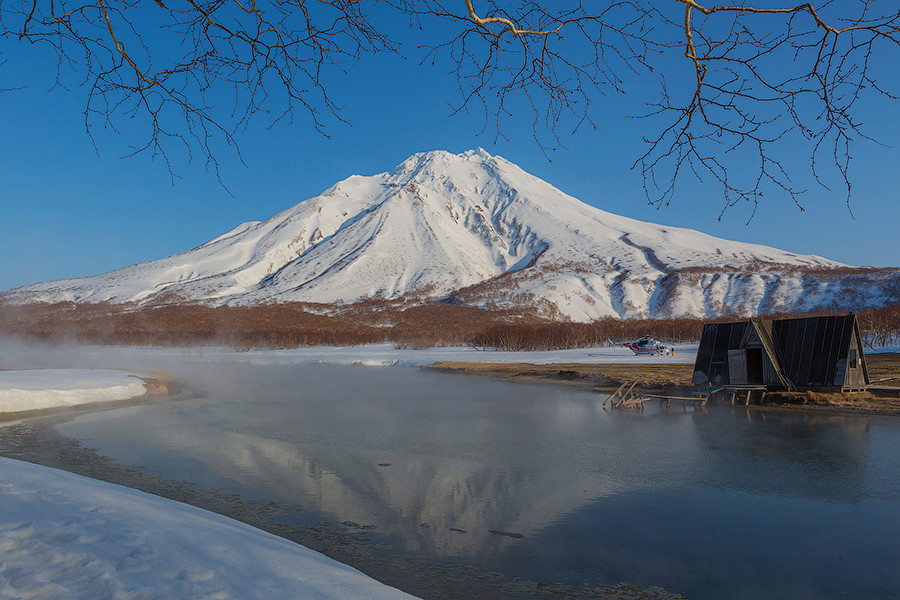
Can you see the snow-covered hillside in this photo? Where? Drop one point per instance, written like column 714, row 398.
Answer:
column 475, row 229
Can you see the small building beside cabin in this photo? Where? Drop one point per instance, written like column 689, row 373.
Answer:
column 783, row 354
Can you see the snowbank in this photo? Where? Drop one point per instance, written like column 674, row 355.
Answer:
column 38, row 389
column 66, row 536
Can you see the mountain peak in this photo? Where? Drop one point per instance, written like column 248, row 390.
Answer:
column 473, row 228
column 437, row 160
column 477, row 152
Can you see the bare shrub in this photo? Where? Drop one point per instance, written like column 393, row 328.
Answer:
column 424, row 325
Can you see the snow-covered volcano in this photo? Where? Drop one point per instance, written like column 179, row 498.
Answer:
column 476, row 229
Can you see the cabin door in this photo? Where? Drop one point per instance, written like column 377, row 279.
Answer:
column 737, row 367
column 754, row 365
column 745, row 366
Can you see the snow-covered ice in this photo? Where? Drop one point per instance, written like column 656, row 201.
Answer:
column 36, row 389
column 67, row 536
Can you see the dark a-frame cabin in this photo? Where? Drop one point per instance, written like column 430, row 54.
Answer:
column 786, row 354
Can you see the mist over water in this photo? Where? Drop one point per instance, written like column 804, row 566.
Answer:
column 530, row 481
column 16, row 354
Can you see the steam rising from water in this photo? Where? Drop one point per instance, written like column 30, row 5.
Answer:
column 438, row 464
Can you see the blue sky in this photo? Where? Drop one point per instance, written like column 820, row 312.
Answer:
column 71, row 210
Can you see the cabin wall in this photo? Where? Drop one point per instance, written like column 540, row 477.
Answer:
column 815, row 350
column 855, row 379
column 711, row 366
column 810, row 352
column 770, row 375
column 855, row 373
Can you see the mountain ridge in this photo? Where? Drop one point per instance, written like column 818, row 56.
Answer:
column 476, row 229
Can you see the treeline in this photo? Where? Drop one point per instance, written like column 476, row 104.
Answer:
column 286, row 325
column 881, row 327
column 558, row 336
column 291, row 325
column 276, row 326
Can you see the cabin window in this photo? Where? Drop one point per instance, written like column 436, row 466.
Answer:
column 852, row 358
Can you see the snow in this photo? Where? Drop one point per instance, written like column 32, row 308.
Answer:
column 67, row 536
column 388, row 355
column 380, row 355
column 49, row 388
column 440, row 222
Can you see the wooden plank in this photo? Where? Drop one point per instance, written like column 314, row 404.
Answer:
column 629, row 392
column 614, row 394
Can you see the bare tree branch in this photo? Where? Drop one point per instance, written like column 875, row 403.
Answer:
column 771, row 80
column 765, row 82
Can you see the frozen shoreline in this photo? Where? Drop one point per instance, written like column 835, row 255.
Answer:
column 67, row 536
column 38, row 389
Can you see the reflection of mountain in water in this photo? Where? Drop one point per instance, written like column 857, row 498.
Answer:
column 816, row 457
column 722, row 504
column 420, row 456
column 422, row 498
column 394, row 448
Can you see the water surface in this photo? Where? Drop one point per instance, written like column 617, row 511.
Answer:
column 539, row 482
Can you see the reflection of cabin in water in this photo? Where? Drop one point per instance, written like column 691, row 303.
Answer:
column 786, row 354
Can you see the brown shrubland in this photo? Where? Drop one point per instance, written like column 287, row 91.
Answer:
column 406, row 324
